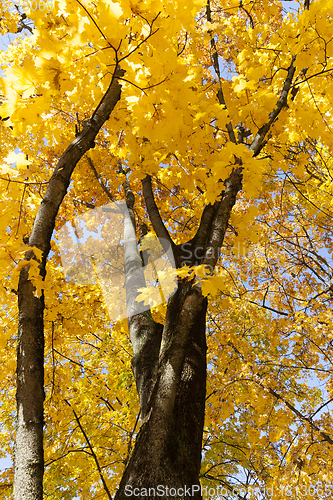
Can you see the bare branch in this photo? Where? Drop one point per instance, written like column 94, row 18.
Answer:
column 91, row 450
column 258, row 141
column 321, row 407
column 85, row 203
column 99, row 178
column 24, row 182
column 269, row 308
column 155, row 216
column 215, row 57
column 232, row 186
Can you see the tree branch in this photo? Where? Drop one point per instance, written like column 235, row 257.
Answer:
column 247, row 13
column 200, row 238
column 268, row 308
column 144, row 332
column 258, row 380
column 57, row 188
column 99, row 178
column 155, row 217
column 215, row 57
column 91, row 450
column 129, row 444
column 28, row 480
column 321, row 407
column 257, row 143
column 325, row 436
column 219, row 226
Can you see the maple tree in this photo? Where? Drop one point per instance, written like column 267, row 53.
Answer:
column 131, row 106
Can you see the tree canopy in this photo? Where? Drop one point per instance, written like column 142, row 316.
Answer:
column 170, row 107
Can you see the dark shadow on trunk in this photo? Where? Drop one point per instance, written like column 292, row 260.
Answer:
column 167, row 452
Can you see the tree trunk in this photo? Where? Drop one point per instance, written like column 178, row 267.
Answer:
column 28, row 457
column 169, row 366
column 167, row 452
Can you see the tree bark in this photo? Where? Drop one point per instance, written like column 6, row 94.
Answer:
column 28, row 462
column 167, row 452
column 28, row 455
column 169, row 362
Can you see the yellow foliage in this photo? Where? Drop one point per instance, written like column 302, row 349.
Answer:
column 269, row 326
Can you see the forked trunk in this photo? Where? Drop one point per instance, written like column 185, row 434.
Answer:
column 166, row 458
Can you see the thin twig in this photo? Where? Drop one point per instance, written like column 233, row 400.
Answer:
column 23, row 182
column 92, row 451
column 247, row 13
column 98, row 177
column 129, row 446
column 216, row 65
column 20, row 212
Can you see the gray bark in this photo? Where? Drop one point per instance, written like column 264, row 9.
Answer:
column 28, row 455
column 169, row 362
